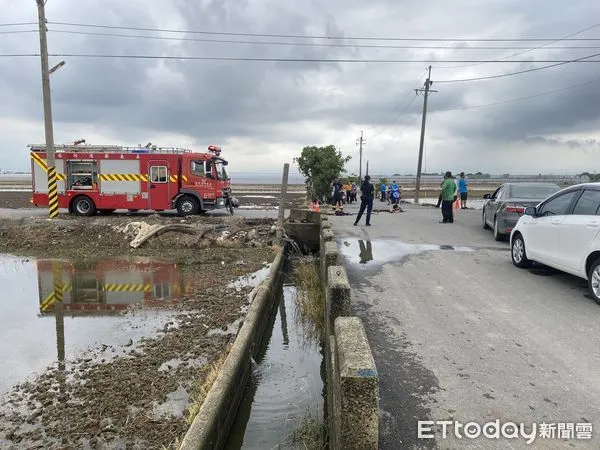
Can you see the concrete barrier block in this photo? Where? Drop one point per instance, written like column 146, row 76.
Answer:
column 329, row 257
column 328, row 235
column 304, row 215
column 333, row 396
column 337, row 295
column 358, row 380
column 306, row 235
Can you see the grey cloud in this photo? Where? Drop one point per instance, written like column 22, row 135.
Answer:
column 272, row 102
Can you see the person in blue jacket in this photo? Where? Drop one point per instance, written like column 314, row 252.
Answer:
column 463, row 190
column 382, row 191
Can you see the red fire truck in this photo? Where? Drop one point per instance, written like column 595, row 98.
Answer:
column 104, row 178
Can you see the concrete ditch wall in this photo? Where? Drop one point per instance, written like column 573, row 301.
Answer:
column 211, row 426
column 352, row 378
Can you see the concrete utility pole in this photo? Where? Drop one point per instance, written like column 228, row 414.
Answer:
column 426, row 92
column 281, row 215
column 360, row 141
column 52, row 187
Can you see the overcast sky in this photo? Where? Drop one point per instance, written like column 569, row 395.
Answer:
column 263, row 113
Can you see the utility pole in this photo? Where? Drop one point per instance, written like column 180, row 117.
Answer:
column 426, row 92
column 360, row 141
column 52, row 187
column 281, row 216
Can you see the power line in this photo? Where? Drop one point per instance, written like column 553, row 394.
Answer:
column 17, row 24
column 296, row 36
column 558, row 63
column 18, row 31
column 396, row 117
column 528, row 97
column 317, row 44
column 563, row 38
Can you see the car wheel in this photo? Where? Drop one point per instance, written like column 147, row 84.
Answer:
column 187, row 206
column 594, row 280
column 497, row 235
column 485, row 225
column 517, row 252
column 84, row 206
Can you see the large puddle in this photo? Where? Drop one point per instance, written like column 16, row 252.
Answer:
column 59, row 310
column 285, row 385
column 381, row 251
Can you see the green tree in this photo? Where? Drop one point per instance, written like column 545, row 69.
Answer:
column 320, row 165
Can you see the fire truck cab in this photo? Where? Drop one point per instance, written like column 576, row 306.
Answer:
column 103, row 178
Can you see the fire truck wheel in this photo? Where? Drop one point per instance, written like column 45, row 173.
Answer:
column 187, row 206
column 84, row 206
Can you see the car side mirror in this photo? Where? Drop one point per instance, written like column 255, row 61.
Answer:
column 531, row 211
column 487, row 196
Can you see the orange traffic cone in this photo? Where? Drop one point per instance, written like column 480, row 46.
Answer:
column 317, row 208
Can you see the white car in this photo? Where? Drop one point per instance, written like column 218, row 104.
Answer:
column 563, row 232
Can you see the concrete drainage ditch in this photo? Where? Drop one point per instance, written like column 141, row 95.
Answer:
column 275, row 379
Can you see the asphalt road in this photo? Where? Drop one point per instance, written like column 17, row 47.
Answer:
column 459, row 333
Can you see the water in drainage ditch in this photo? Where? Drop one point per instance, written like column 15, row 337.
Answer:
column 285, row 386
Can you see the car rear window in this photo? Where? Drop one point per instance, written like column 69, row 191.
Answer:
column 531, row 191
column 588, row 204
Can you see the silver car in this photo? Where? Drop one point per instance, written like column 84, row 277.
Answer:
column 503, row 208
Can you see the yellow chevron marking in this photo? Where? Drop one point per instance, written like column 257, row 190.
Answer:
column 127, row 287
column 122, row 177
column 40, row 162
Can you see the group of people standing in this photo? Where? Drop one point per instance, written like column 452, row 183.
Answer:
column 343, row 192
column 451, row 189
column 390, row 193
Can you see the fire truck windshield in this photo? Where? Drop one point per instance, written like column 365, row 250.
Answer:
column 222, row 173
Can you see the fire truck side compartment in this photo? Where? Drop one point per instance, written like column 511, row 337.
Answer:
column 120, row 167
column 40, row 177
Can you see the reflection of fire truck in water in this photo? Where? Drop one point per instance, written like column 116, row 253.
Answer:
column 108, row 286
column 104, row 178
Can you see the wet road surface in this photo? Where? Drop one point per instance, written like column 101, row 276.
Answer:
column 459, row 333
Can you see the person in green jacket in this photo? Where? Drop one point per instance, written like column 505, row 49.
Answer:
column 448, row 194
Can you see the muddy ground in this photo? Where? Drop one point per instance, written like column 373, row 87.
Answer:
column 108, row 401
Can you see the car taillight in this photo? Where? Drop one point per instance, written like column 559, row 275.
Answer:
column 514, row 209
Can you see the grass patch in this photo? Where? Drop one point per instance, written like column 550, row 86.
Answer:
column 309, row 433
column 310, row 300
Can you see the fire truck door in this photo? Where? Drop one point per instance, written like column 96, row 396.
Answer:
column 158, row 185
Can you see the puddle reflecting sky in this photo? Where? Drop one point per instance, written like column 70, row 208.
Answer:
column 380, row 251
column 95, row 296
